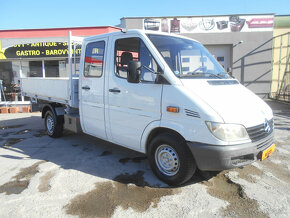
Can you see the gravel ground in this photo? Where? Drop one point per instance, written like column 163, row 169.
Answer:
column 78, row 175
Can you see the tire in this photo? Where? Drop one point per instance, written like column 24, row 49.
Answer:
column 170, row 159
column 53, row 128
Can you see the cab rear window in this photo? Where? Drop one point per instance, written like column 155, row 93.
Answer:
column 94, row 59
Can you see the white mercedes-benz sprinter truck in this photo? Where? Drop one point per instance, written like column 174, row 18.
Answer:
column 160, row 94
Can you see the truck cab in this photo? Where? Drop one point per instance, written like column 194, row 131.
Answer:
column 166, row 96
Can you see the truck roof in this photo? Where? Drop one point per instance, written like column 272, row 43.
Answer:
column 142, row 32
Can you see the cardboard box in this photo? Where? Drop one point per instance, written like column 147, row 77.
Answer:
column 13, row 110
column 4, row 110
column 25, row 109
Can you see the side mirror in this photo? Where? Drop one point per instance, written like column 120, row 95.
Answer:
column 134, row 71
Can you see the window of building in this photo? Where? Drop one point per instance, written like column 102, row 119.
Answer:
column 185, row 60
column 185, row 69
column 10, row 81
column 51, row 68
column 35, row 69
column 6, row 77
column 94, row 59
column 25, row 68
column 63, row 68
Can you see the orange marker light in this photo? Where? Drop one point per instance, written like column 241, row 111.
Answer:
column 172, row 109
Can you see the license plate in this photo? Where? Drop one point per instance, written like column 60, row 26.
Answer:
column 268, row 152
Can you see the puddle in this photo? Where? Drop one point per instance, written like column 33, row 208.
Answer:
column 138, row 159
column 124, row 160
column 21, row 132
column 40, row 133
column 21, row 181
column 6, row 134
column 75, row 145
column 247, row 173
column 239, row 204
column 135, row 159
column 85, row 149
column 14, row 187
column 12, row 141
column 127, row 191
column 105, row 153
column 136, row 178
column 44, row 185
column 10, row 127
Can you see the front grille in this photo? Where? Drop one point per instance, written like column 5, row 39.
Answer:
column 265, row 144
column 258, row 132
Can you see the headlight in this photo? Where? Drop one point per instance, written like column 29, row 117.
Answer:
column 228, row 132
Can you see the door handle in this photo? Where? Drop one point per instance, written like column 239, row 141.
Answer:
column 115, row 90
column 86, row 88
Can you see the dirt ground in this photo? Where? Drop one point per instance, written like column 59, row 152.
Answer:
column 78, row 175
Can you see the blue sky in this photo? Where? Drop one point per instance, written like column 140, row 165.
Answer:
column 30, row 14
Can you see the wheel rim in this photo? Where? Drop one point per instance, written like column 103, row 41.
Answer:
column 49, row 124
column 167, row 160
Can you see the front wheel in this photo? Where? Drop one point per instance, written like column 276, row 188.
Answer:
column 53, row 128
column 170, row 159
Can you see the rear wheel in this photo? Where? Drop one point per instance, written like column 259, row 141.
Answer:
column 53, row 127
column 170, row 159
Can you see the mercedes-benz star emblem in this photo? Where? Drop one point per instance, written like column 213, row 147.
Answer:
column 267, row 127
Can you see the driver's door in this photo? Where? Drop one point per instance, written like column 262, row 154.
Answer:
column 132, row 106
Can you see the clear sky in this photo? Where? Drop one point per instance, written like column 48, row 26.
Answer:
column 31, row 14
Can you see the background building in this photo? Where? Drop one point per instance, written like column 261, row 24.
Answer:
column 241, row 43
column 36, row 53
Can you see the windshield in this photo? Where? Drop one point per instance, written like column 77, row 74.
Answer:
column 187, row 58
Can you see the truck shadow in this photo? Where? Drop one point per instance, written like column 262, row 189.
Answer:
column 25, row 138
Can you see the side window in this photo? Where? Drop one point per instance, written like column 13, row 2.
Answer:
column 126, row 50
column 133, row 49
column 148, row 63
column 94, row 59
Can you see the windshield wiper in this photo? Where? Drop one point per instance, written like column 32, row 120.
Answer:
column 216, row 75
column 202, row 74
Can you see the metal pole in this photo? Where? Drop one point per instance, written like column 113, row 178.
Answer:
column 43, row 69
column 278, row 88
column 71, row 89
column 74, row 46
column 20, row 74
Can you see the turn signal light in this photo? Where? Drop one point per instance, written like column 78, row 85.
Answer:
column 172, row 109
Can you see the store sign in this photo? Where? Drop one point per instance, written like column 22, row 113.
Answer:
column 37, row 50
column 234, row 23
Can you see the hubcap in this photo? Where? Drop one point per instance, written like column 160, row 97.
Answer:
column 167, row 160
column 49, row 124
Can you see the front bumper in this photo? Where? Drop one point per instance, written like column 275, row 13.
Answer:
column 217, row 157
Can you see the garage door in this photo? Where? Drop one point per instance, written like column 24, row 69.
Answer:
column 222, row 54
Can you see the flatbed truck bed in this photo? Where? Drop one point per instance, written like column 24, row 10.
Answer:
column 53, row 89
